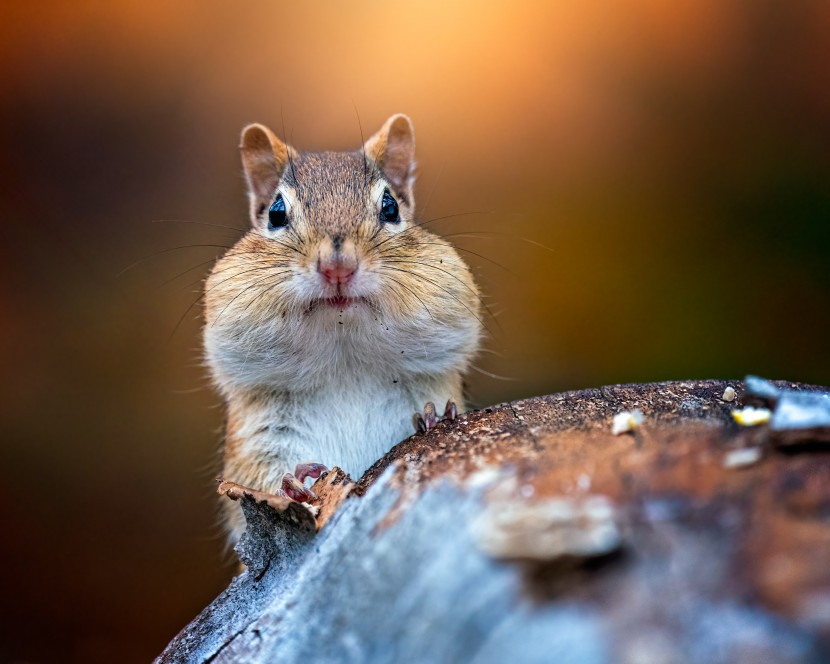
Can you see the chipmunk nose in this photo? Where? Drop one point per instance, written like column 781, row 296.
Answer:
column 337, row 260
column 338, row 273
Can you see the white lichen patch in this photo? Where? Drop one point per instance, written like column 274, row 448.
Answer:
column 548, row 529
column 628, row 420
column 484, row 476
column 729, row 393
column 750, row 417
column 743, row 457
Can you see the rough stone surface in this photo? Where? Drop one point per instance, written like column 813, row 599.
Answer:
column 715, row 562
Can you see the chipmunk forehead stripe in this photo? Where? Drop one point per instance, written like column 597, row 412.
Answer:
column 319, row 172
column 332, row 190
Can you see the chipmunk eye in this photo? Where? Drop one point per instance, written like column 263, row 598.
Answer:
column 389, row 209
column 276, row 214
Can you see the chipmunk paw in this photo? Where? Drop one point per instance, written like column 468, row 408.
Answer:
column 294, row 489
column 429, row 418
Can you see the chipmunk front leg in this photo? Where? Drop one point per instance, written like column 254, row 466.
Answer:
column 429, row 418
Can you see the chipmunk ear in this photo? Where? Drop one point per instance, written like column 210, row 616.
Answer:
column 393, row 150
column 264, row 157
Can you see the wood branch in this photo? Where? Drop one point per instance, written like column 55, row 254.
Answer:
column 529, row 532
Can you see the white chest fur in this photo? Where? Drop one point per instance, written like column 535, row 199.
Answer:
column 349, row 424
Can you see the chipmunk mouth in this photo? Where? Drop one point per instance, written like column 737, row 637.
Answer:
column 340, row 302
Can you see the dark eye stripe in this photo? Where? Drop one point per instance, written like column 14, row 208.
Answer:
column 389, row 213
column 276, row 214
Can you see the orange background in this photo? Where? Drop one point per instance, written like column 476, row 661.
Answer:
column 674, row 157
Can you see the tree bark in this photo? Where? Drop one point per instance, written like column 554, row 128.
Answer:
column 529, row 532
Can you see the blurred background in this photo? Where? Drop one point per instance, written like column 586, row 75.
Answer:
column 673, row 157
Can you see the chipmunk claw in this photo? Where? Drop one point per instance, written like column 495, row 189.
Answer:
column 312, row 470
column 294, row 489
column 430, row 416
column 427, row 420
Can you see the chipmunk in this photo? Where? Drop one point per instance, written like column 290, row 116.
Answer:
column 336, row 317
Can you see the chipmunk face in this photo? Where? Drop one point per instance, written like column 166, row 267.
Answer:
column 335, row 272
column 333, row 213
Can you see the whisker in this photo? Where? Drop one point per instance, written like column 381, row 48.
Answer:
column 198, row 223
column 203, row 280
column 168, row 250
column 253, row 252
column 264, row 263
column 434, row 185
column 430, row 264
column 491, row 375
column 181, row 320
column 463, row 283
column 287, row 147
column 181, row 274
column 362, row 148
column 414, row 294
column 192, row 390
column 202, row 296
column 437, row 285
column 261, row 262
column 236, row 275
column 469, row 251
column 421, row 224
column 242, row 292
column 268, row 289
column 491, row 351
column 288, row 246
column 514, row 237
